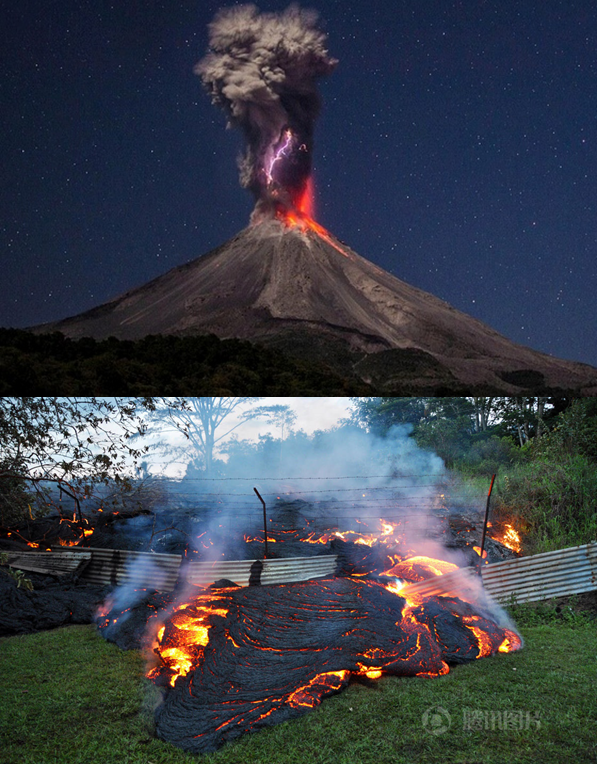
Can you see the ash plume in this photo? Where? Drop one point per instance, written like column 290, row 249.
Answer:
column 262, row 69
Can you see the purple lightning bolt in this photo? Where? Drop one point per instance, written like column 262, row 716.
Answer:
column 282, row 151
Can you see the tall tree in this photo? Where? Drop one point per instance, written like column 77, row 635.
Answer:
column 378, row 415
column 485, row 411
column 524, row 416
column 75, row 442
column 207, row 422
column 284, row 418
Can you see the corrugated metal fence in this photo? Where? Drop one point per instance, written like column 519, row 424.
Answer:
column 274, row 571
column 161, row 571
column 543, row 576
column 538, row 577
column 139, row 569
column 527, row 579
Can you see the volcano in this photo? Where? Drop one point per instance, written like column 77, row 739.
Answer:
column 285, row 282
column 290, row 285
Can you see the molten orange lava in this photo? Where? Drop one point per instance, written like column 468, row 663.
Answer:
column 387, row 535
column 371, row 673
column 73, row 542
column 419, row 568
column 395, row 586
column 510, row 643
column 301, row 217
column 303, row 697
column 181, row 646
column 306, row 202
column 259, row 538
column 482, row 638
column 105, row 608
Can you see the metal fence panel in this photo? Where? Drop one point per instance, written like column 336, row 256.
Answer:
column 543, row 576
column 528, row 579
column 122, row 566
column 274, row 571
column 52, row 563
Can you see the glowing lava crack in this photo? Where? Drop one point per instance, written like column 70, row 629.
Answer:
column 244, row 658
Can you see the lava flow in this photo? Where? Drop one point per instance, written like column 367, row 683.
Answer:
column 62, row 531
column 235, row 658
column 388, row 534
column 232, row 659
column 238, row 658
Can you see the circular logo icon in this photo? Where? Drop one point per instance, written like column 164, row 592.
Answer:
column 436, row 720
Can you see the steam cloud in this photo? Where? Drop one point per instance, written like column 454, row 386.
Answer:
column 262, row 70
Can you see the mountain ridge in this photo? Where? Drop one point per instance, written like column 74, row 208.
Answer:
column 301, row 290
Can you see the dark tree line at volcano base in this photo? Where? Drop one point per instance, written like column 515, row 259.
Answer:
column 40, row 364
column 33, row 364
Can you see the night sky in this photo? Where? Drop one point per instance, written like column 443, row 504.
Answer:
column 455, row 149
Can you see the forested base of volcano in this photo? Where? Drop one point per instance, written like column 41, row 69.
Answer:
column 37, row 364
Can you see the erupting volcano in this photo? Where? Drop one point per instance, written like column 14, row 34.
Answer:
column 285, row 281
column 262, row 70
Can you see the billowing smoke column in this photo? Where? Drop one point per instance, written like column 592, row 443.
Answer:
column 262, row 70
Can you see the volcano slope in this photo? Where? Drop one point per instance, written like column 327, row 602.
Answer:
column 300, row 290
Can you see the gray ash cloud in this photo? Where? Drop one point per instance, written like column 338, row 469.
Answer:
column 262, row 69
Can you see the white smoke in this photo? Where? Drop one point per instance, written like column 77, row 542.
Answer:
column 138, row 572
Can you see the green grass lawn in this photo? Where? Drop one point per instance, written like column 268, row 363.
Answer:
column 67, row 696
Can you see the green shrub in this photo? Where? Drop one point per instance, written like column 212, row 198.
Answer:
column 574, row 433
column 489, row 455
column 553, row 501
column 550, row 612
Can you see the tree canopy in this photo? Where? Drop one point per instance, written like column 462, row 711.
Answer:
column 75, row 443
column 207, row 422
column 464, row 430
